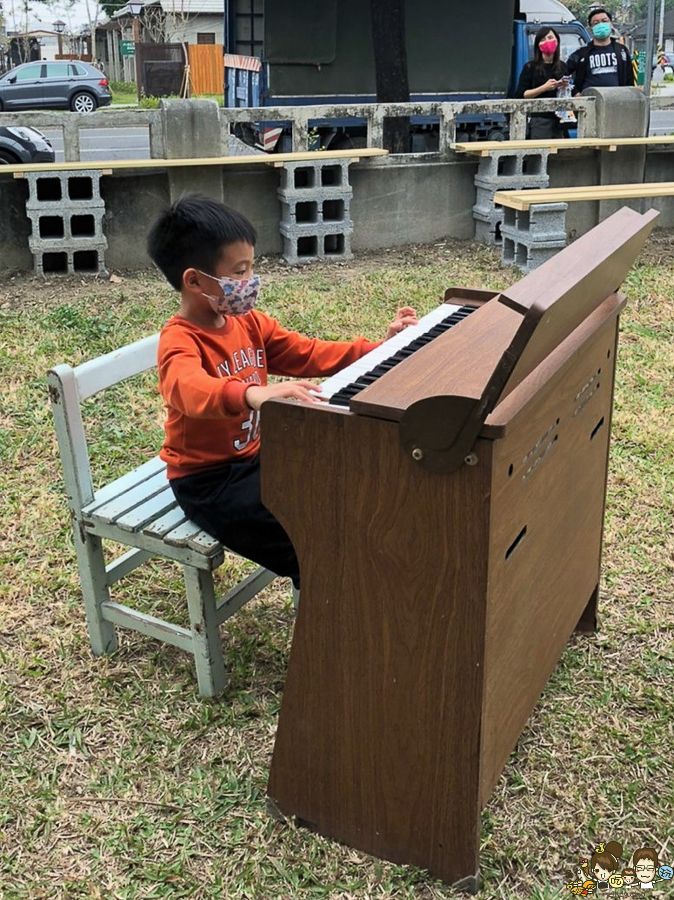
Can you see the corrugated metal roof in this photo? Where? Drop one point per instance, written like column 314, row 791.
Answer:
column 180, row 8
column 192, row 7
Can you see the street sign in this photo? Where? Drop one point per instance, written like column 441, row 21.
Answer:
column 127, row 48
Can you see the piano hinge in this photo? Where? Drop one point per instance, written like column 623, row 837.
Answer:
column 439, row 432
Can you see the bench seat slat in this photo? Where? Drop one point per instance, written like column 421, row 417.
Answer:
column 122, row 484
column 184, row 534
column 166, row 523
column 207, row 558
column 522, row 200
column 203, row 542
column 113, row 509
column 148, row 511
column 486, row 147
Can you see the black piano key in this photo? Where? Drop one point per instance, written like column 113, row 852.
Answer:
column 336, row 400
column 344, row 396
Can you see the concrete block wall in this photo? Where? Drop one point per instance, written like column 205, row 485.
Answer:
column 396, row 201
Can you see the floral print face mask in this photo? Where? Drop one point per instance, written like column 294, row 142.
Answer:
column 238, row 296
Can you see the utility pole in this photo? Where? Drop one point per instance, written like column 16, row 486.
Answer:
column 661, row 33
column 650, row 36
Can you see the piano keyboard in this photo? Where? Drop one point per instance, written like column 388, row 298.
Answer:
column 340, row 388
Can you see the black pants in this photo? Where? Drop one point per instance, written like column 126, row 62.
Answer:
column 226, row 502
column 545, row 125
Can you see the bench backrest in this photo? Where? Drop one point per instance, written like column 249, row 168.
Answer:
column 68, row 387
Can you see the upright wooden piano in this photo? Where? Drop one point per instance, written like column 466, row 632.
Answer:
column 447, row 511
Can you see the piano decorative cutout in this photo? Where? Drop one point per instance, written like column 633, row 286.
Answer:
column 448, row 524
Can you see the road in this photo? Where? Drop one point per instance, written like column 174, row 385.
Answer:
column 662, row 121
column 134, row 143
column 105, row 143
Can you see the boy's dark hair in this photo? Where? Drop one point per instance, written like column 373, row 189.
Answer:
column 193, row 233
column 598, row 9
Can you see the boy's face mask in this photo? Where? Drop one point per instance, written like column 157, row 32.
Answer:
column 238, row 296
column 601, row 31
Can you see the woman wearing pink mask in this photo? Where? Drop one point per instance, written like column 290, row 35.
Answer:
column 541, row 77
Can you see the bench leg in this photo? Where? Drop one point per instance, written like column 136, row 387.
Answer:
column 206, row 641
column 94, row 581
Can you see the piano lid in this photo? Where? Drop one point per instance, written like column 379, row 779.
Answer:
column 443, row 393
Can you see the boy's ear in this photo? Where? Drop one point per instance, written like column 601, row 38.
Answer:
column 191, row 281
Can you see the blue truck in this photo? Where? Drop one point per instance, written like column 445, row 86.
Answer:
column 300, row 52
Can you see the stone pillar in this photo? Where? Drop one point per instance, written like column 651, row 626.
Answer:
column 191, row 129
column 621, row 112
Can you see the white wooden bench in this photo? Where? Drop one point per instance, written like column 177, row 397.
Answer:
column 139, row 511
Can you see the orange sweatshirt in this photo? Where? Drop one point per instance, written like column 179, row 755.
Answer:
column 204, row 373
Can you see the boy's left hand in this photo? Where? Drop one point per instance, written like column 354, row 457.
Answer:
column 405, row 317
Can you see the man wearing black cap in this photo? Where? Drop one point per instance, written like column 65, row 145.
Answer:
column 602, row 63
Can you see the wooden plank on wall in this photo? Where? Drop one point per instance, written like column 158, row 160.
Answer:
column 206, row 68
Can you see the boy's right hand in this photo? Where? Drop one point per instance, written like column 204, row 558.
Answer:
column 294, row 390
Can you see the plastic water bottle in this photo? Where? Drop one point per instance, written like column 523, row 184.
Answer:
column 566, row 116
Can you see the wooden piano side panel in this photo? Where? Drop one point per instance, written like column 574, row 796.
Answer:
column 378, row 736
column 548, row 498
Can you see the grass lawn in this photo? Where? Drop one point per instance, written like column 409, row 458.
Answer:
column 118, row 781
column 124, row 93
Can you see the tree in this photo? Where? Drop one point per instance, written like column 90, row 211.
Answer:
column 110, row 7
column 623, row 11
column 390, row 63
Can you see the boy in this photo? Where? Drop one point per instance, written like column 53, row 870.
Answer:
column 214, row 357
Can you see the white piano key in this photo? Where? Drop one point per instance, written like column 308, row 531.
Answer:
column 386, row 350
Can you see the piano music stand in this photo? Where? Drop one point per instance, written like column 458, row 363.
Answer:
column 449, row 531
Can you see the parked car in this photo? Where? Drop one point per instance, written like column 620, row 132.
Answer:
column 62, row 84
column 24, row 145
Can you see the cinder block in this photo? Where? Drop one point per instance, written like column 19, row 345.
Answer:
column 528, row 256
column 87, row 258
column 68, row 227
column 488, row 225
column 505, row 164
column 66, row 212
column 316, row 210
column 306, row 248
column 303, row 177
column 541, row 222
column 327, row 207
column 62, row 190
column 485, row 189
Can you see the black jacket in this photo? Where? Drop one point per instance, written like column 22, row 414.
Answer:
column 577, row 65
column 531, row 78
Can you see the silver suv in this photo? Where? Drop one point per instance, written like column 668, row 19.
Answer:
column 60, row 84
